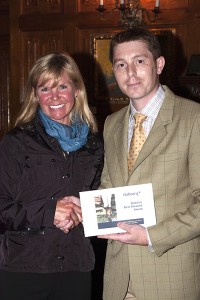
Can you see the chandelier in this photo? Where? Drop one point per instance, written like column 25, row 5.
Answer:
column 131, row 12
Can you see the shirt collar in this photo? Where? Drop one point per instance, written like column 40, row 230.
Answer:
column 152, row 108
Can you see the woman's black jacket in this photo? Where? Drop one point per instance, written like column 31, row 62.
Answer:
column 34, row 173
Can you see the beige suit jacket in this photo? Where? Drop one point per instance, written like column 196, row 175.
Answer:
column 170, row 160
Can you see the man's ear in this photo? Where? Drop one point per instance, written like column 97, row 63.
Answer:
column 160, row 63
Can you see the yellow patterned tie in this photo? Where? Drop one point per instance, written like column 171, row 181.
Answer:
column 137, row 141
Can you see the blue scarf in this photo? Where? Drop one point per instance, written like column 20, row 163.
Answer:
column 70, row 138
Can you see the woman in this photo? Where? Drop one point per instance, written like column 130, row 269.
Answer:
column 52, row 154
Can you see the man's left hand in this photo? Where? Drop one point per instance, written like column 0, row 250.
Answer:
column 134, row 235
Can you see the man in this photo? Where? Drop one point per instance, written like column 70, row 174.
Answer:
column 161, row 261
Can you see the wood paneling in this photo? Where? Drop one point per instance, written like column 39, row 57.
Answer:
column 4, row 87
column 39, row 7
column 4, row 67
column 38, row 27
column 34, row 45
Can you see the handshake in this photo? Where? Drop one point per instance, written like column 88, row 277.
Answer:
column 68, row 213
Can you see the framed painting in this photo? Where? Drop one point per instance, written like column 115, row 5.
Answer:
column 104, row 85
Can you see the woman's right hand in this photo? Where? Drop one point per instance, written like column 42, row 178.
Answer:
column 68, row 213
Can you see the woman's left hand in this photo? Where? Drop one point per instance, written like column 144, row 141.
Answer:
column 65, row 225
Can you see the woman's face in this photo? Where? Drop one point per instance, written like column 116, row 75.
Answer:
column 57, row 102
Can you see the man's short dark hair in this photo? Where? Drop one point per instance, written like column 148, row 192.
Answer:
column 136, row 34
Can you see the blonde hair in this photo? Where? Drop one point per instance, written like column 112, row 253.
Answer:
column 51, row 67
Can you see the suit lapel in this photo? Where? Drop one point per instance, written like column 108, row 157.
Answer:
column 121, row 142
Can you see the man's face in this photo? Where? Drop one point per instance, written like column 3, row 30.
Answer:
column 136, row 71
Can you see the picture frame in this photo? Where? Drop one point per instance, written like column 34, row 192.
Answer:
column 104, row 84
column 193, row 68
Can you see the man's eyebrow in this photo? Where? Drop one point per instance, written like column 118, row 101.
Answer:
column 118, row 59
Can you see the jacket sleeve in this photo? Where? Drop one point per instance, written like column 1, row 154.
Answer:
column 15, row 214
column 99, row 164
column 105, row 177
column 181, row 231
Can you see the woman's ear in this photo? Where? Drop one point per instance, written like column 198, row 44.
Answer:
column 76, row 93
column 35, row 95
column 160, row 63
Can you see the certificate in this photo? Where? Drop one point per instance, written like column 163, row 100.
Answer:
column 103, row 209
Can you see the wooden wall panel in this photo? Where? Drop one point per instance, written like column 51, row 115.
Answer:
column 4, row 67
column 39, row 6
column 38, row 27
column 193, row 40
column 4, row 87
column 34, row 45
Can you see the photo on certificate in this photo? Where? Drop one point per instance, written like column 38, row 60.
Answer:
column 103, row 209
